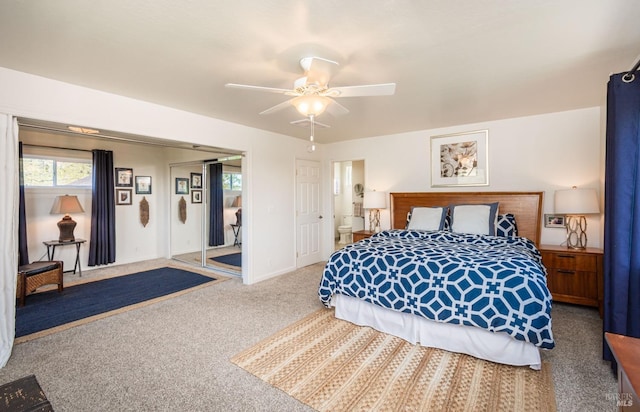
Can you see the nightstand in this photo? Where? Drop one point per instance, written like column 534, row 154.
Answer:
column 574, row 275
column 362, row 234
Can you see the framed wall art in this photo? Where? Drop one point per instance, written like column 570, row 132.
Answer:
column 143, row 185
column 460, row 159
column 124, row 177
column 196, row 180
column 123, row 197
column 182, row 186
column 554, row 221
column 196, row 196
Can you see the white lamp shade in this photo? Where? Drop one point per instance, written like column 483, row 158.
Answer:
column 374, row 200
column 576, row 202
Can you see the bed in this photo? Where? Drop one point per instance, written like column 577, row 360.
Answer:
column 436, row 279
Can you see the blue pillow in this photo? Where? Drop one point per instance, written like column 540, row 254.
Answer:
column 507, row 226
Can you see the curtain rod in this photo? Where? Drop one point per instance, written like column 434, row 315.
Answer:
column 630, row 75
column 56, row 147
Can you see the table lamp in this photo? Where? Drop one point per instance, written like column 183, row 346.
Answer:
column 374, row 201
column 237, row 202
column 575, row 203
column 64, row 205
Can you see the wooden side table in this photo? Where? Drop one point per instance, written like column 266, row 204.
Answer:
column 626, row 351
column 362, row 234
column 575, row 275
column 51, row 250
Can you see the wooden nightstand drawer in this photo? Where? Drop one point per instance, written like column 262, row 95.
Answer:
column 570, row 261
column 582, row 286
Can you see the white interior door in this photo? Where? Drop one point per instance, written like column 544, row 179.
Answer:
column 308, row 216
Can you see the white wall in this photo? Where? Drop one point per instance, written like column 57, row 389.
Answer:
column 541, row 153
column 269, row 162
column 536, row 153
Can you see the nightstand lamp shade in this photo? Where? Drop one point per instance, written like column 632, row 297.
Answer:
column 63, row 205
column 374, row 201
column 575, row 203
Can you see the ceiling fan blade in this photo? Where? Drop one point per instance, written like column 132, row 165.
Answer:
column 336, row 109
column 385, row 89
column 307, row 123
column 258, row 88
column 277, row 107
column 318, row 70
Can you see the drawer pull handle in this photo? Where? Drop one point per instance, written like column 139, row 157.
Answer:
column 567, row 256
column 567, row 272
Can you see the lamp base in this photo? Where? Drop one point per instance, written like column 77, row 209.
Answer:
column 374, row 220
column 66, row 226
column 576, row 232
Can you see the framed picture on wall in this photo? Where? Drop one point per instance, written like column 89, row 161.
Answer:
column 196, row 180
column 196, row 196
column 460, row 159
column 554, row 221
column 182, row 186
column 123, row 197
column 143, row 185
column 124, row 177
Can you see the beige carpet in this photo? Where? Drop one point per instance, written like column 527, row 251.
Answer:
column 333, row 365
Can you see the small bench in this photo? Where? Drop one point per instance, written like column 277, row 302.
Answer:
column 36, row 274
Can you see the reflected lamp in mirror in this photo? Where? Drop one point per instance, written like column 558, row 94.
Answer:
column 237, row 202
column 64, row 205
column 576, row 203
column 374, row 201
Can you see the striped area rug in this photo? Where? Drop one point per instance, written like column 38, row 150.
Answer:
column 334, row 365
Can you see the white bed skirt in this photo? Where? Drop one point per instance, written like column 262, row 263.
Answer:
column 495, row 347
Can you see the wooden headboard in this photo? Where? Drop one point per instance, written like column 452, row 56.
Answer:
column 526, row 206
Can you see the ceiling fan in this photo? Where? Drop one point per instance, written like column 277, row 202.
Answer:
column 312, row 95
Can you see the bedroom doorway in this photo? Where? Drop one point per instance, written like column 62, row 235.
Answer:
column 348, row 191
column 308, row 213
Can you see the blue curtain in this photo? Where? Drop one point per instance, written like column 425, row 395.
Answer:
column 22, row 219
column 216, row 205
column 102, row 245
column 622, row 210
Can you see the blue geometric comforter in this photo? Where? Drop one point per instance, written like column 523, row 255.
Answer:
column 495, row 283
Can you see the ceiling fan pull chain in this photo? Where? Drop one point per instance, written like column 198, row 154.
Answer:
column 312, row 148
column 311, row 119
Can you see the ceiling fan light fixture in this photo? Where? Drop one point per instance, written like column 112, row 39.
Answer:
column 311, row 105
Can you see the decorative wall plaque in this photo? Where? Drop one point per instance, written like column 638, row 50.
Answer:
column 182, row 209
column 144, row 211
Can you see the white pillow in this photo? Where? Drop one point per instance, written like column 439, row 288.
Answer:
column 474, row 219
column 427, row 218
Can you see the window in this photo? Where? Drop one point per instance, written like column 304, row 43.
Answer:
column 49, row 171
column 231, row 181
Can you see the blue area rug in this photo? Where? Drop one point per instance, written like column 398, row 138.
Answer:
column 50, row 309
column 234, row 259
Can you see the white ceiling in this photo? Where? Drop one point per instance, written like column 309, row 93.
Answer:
column 454, row 62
